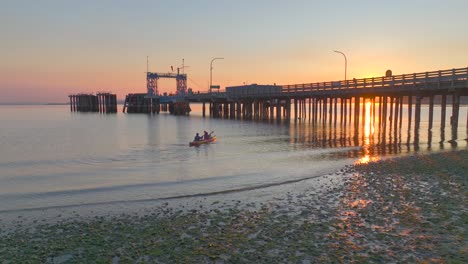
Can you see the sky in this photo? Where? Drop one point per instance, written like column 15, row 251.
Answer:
column 51, row 49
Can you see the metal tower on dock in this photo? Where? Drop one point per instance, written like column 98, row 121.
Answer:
column 152, row 82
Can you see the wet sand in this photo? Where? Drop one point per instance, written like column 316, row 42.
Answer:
column 409, row 210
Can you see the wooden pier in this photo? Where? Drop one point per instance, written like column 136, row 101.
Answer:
column 102, row 102
column 344, row 102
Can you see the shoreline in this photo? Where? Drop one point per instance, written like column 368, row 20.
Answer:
column 249, row 197
column 410, row 208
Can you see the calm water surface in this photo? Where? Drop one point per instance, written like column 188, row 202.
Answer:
column 50, row 157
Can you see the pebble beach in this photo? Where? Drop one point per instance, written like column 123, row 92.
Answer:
column 409, row 209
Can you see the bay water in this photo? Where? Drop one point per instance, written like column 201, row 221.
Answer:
column 53, row 158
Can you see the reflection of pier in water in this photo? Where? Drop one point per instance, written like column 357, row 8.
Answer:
column 373, row 137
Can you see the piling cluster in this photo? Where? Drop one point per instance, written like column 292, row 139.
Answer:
column 250, row 109
column 107, row 102
column 102, row 102
column 140, row 103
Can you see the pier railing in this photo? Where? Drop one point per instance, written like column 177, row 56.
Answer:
column 423, row 79
column 430, row 81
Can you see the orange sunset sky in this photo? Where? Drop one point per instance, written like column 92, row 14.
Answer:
column 50, row 49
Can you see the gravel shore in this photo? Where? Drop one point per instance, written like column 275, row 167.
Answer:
column 402, row 210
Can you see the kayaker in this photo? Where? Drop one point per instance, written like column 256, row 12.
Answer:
column 206, row 135
column 197, row 137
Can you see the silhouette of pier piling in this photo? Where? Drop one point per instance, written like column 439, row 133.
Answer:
column 140, row 103
column 102, row 102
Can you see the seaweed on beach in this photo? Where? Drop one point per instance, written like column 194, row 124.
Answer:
column 410, row 209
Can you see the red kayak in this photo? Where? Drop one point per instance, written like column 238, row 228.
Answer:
column 200, row 142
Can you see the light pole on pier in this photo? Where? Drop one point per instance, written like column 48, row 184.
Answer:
column 211, row 70
column 345, row 62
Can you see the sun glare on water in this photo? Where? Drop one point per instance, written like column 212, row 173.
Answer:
column 368, row 134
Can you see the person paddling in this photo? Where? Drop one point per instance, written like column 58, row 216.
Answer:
column 197, row 137
column 206, row 135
